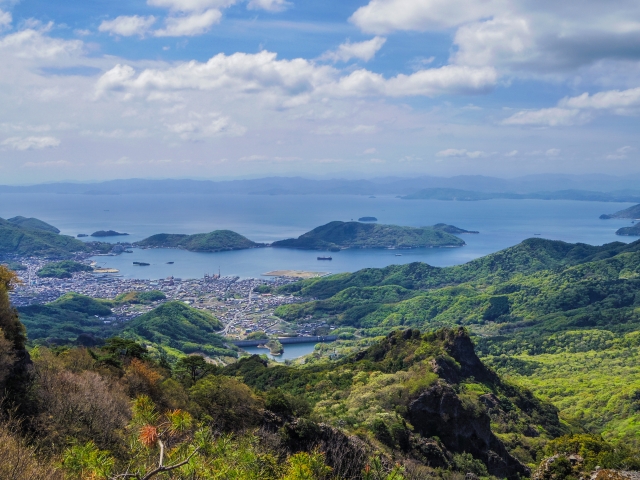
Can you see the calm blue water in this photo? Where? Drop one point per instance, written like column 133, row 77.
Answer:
column 291, row 351
column 502, row 223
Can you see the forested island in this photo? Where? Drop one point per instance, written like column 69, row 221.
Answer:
column 108, row 233
column 337, row 235
column 216, row 241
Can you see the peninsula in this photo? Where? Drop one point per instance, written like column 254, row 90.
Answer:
column 216, row 241
column 629, row 231
column 33, row 237
column 631, row 212
column 337, row 235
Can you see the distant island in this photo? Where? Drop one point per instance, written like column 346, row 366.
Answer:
column 337, row 235
column 107, row 233
column 367, row 219
column 454, row 194
column 216, row 241
column 631, row 212
column 33, row 237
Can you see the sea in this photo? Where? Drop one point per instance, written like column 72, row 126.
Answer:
column 266, row 218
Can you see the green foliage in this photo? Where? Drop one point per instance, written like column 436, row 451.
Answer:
column 25, row 241
column 32, row 224
column 136, row 297
column 87, row 460
column 178, row 326
column 15, row 266
column 465, row 463
column 193, row 367
column 338, row 235
column 264, row 288
column 67, row 318
column 216, row 241
column 63, row 269
column 257, row 336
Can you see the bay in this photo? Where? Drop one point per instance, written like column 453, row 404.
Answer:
column 264, row 218
column 291, row 351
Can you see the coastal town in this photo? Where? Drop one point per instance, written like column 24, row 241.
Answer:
column 234, row 301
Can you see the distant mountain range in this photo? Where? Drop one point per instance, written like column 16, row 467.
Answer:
column 579, row 187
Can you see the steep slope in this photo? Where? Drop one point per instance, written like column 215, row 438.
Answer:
column 216, row 241
column 426, row 396
column 335, row 236
column 629, row 231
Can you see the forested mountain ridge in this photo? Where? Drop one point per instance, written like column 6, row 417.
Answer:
column 540, row 299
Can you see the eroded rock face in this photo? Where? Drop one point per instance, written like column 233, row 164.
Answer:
column 439, row 412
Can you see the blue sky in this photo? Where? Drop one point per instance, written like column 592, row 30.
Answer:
column 234, row 88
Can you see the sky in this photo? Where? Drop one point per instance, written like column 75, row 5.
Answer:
column 216, row 89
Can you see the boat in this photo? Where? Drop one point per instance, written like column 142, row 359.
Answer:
column 537, row 234
column 169, row 263
column 398, row 254
column 325, row 258
column 141, row 264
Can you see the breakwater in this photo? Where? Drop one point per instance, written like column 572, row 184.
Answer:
column 285, row 340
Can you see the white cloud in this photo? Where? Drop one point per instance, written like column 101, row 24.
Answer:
column 362, row 50
column 268, row 5
column 518, row 36
column 615, row 100
column 369, row 151
column 384, row 16
column 548, row 117
column 34, row 44
column 460, row 153
column 199, row 128
column 189, row 25
column 512, row 153
column 552, row 152
column 293, row 81
column 5, row 19
column 30, row 143
column 580, row 109
column 128, row 25
column 48, row 164
column 191, row 5
column 621, row 153
column 450, row 79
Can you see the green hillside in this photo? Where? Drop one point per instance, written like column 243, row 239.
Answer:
column 32, row 224
column 216, row 241
column 180, row 327
column 25, row 240
column 62, row 269
column 540, row 310
column 67, row 318
column 339, row 235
